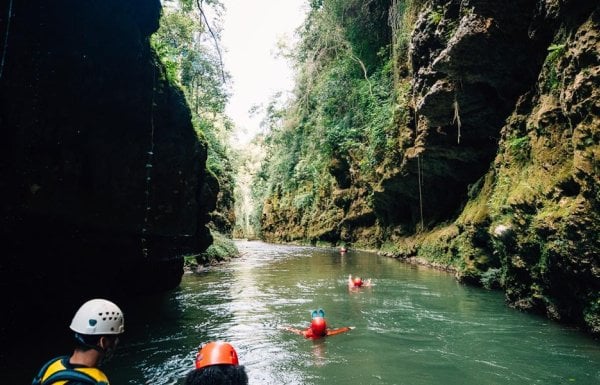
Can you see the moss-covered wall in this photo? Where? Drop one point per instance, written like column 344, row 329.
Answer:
column 542, row 194
column 495, row 170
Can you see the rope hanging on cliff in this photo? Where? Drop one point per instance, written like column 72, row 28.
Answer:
column 149, row 165
column 8, row 17
column 420, row 178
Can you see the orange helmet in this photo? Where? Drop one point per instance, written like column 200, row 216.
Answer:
column 216, row 353
column 358, row 282
column 318, row 326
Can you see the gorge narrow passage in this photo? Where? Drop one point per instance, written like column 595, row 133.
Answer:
column 463, row 133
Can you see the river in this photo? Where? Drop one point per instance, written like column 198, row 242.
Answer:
column 413, row 326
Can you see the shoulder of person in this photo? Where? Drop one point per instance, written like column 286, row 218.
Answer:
column 59, row 369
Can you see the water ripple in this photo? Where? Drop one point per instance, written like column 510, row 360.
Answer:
column 413, row 326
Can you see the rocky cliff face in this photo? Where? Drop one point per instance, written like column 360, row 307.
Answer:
column 498, row 158
column 531, row 224
column 103, row 183
column 544, row 183
column 470, row 62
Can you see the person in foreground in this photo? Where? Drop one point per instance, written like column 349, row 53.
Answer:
column 357, row 282
column 97, row 325
column 217, row 364
column 318, row 327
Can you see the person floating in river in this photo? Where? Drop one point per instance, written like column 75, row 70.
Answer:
column 356, row 282
column 318, row 327
column 217, row 364
column 97, row 326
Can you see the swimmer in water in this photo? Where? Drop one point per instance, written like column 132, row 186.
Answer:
column 217, row 364
column 318, row 327
column 356, row 282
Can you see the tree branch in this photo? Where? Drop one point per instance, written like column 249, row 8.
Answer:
column 199, row 3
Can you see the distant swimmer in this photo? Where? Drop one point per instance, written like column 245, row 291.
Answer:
column 357, row 282
column 343, row 250
column 318, row 327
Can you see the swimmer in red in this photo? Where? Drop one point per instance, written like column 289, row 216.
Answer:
column 356, row 282
column 318, row 327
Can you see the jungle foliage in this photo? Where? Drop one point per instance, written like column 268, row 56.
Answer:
column 188, row 46
column 348, row 100
column 345, row 157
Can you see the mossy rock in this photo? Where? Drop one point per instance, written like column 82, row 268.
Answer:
column 221, row 249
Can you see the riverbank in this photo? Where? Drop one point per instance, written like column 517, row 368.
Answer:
column 221, row 250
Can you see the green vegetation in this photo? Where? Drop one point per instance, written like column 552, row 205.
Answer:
column 343, row 162
column 491, row 278
column 402, row 17
column 221, row 249
column 188, row 47
column 519, row 148
column 348, row 103
column 555, row 52
column 435, row 15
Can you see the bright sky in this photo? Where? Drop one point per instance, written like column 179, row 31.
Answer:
column 250, row 33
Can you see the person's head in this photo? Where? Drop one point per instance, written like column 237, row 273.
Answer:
column 318, row 325
column 216, row 353
column 358, row 282
column 97, row 325
column 217, row 364
column 218, row 375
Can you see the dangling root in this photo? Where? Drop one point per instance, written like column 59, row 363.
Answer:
column 456, row 118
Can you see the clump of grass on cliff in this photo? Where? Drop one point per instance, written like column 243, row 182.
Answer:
column 221, row 249
column 433, row 248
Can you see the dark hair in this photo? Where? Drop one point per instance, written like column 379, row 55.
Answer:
column 86, row 342
column 218, row 375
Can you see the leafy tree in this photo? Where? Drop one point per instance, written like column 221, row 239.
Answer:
column 189, row 47
column 192, row 57
column 343, row 117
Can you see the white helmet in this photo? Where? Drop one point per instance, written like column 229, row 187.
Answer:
column 98, row 317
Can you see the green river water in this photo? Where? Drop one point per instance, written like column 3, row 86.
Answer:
column 413, row 326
